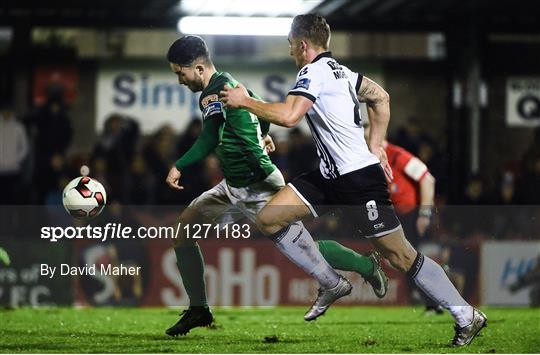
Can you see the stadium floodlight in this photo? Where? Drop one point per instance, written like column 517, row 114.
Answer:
column 236, row 26
column 247, row 7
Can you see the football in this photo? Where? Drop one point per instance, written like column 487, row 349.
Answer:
column 84, row 197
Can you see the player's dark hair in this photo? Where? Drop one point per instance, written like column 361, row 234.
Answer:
column 187, row 49
column 313, row 28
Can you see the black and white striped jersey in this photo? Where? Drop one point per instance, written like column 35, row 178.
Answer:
column 334, row 118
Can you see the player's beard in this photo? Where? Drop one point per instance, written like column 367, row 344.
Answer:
column 196, row 85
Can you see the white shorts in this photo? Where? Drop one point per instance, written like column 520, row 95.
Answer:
column 224, row 204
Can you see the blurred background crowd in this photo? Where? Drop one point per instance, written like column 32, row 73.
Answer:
column 37, row 164
column 36, row 161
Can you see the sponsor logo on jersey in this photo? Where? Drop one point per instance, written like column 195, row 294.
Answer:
column 302, row 83
column 378, row 226
column 212, row 108
column 207, row 99
column 334, row 65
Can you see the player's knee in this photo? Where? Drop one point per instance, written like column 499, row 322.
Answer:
column 263, row 222
column 266, row 222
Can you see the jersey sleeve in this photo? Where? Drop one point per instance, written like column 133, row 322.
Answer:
column 415, row 169
column 204, row 145
column 400, row 160
column 209, row 102
column 355, row 78
column 309, row 83
column 211, row 107
column 410, row 165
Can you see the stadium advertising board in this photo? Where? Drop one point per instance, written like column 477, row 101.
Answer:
column 523, row 102
column 239, row 273
column 21, row 283
column 153, row 97
column 502, row 265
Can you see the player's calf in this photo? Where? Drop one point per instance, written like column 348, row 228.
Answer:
column 396, row 249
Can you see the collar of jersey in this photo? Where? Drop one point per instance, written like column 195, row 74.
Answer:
column 322, row 55
column 210, row 82
column 214, row 76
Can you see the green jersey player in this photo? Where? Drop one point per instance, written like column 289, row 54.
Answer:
column 236, row 137
column 250, row 179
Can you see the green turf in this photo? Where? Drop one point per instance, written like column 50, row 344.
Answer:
column 261, row 330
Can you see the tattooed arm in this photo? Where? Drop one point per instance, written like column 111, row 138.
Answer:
column 378, row 107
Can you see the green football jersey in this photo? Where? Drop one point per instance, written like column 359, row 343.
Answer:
column 241, row 155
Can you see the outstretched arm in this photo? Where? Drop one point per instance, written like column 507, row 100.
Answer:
column 204, row 145
column 286, row 114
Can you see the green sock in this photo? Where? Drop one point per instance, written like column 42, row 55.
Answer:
column 191, row 266
column 343, row 258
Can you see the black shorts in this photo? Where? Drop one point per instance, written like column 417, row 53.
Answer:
column 362, row 195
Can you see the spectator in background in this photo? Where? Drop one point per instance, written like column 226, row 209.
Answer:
column 116, row 147
column 158, row 155
column 193, row 130
column 474, row 217
column 193, row 180
column 474, row 193
column 430, row 154
column 507, row 218
column 59, row 170
column 280, row 156
column 409, row 136
column 13, row 151
column 98, row 170
column 529, row 186
column 56, row 213
column 141, row 183
column 302, row 152
column 52, row 134
column 506, row 192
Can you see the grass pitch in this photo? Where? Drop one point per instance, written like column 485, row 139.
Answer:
column 261, row 330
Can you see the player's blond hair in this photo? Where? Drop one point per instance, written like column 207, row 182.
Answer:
column 313, row 28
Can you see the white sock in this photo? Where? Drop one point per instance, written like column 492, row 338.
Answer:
column 431, row 278
column 462, row 314
column 297, row 244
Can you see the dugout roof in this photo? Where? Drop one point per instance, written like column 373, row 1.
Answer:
column 362, row 15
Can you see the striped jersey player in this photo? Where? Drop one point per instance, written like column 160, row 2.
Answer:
column 352, row 172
